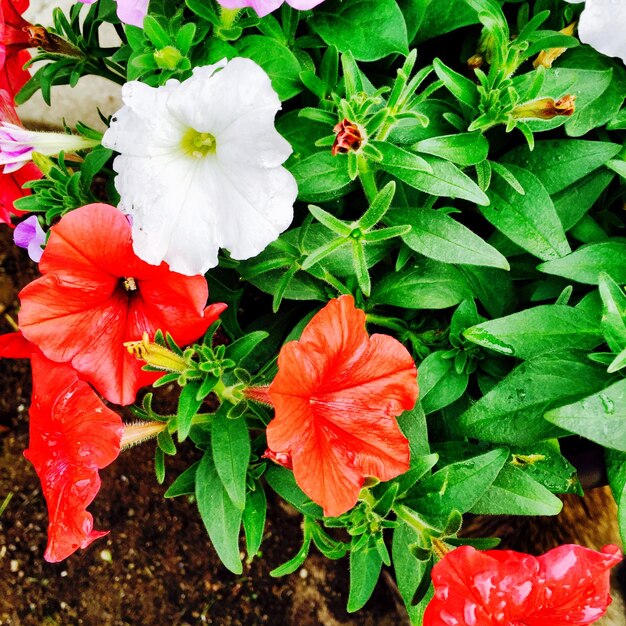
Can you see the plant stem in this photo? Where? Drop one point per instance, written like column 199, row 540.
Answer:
column 367, row 178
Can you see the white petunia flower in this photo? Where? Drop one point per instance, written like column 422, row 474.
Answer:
column 603, row 26
column 200, row 166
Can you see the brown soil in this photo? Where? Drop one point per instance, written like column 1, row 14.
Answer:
column 157, row 566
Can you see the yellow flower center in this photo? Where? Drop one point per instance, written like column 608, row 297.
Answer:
column 198, row 145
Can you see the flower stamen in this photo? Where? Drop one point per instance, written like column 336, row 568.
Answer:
column 198, row 145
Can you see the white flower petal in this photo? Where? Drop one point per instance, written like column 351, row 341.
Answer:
column 603, row 26
column 186, row 203
column 264, row 199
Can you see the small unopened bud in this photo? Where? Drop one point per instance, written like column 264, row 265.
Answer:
column 547, row 57
column 546, row 108
column 156, row 355
column 138, row 432
column 475, row 61
column 168, row 58
column 349, row 137
column 39, row 37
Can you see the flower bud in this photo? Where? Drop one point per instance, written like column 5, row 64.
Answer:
column 349, row 137
column 546, row 108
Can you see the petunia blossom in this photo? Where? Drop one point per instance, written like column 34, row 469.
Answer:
column 263, row 7
column 200, row 166
column 72, row 435
column 14, row 40
column 95, row 294
column 602, row 25
column 129, row 11
column 30, row 235
column 11, row 182
column 336, row 396
column 566, row 586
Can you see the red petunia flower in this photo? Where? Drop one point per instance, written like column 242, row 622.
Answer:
column 335, row 396
column 14, row 39
column 95, row 294
column 11, row 183
column 567, row 586
column 72, row 435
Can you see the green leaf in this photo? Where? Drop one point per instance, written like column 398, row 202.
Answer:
column 409, row 572
column 464, row 149
column 463, row 89
column 585, row 264
column 282, row 481
column 365, row 566
column 440, row 18
column 230, row 443
column 458, row 485
column 446, row 179
column 321, row 177
column 558, row 163
column 188, row 405
column 573, row 202
column 221, row 517
column 413, row 425
column 513, row 411
column 515, row 493
column 438, row 236
column 616, row 471
column 155, row 32
column 600, row 417
column 493, row 287
column 537, row 330
column 369, row 29
column 440, row 384
column 185, row 484
column 544, row 462
column 242, row 347
column 613, row 313
column 426, row 284
column 529, row 220
column 254, row 519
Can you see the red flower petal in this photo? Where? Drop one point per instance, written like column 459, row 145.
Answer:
column 72, row 435
column 13, row 43
column 15, row 346
column 80, row 311
column 576, row 589
column 567, row 585
column 335, row 396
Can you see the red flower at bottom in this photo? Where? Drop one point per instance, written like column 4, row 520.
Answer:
column 567, row 585
column 336, row 396
column 72, row 435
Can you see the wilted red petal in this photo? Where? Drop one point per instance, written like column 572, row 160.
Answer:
column 336, row 396
column 567, row 585
column 72, row 435
column 15, row 346
column 81, row 312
